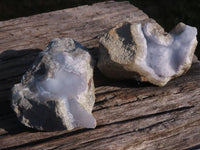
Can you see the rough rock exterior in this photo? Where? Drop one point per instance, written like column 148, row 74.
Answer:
column 146, row 53
column 58, row 91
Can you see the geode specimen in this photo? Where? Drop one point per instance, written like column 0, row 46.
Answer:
column 146, row 53
column 58, row 91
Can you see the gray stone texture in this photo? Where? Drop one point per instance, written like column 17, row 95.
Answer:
column 57, row 92
column 146, row 53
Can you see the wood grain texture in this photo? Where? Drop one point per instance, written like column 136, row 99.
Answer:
column 130, row 115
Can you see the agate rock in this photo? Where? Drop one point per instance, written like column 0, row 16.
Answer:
column 57, row 93
column 146, row 53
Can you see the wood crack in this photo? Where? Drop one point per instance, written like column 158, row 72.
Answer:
column 118, row 135
column 148, row 116
column 102, row 126
column 196, row 147
column 48, row 139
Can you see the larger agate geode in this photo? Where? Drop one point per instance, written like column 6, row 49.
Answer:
column 145, row 52
column 58, row 91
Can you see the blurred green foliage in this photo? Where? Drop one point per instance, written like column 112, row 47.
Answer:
column 166, row 12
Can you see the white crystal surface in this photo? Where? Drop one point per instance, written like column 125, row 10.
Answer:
column 63, row 84
column 67, row 85
column 143, row 51
column 57, row 92
column 163, row 59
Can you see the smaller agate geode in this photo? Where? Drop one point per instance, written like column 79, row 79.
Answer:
column 58, row 91
column 145, row 52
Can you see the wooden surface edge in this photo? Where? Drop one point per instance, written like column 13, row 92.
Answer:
column 130, row 115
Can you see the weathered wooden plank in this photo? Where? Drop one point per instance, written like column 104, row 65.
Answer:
column 130, row 115
column 38, row 30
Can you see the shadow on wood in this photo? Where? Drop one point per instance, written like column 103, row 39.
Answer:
column 13, row 64
column 101, row 80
